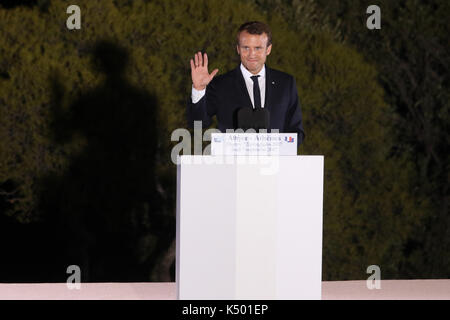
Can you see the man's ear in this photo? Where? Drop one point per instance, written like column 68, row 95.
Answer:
column 269, row 49
column 237, row 49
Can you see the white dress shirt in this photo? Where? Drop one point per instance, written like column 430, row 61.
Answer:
column 198, row 94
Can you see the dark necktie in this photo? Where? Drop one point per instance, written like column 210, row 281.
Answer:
column 256, row 92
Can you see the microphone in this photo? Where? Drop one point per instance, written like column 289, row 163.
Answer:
column 256, row 119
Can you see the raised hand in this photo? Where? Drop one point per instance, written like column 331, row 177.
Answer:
column 199, row 71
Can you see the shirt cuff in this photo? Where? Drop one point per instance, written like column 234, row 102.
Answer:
column 197, row 94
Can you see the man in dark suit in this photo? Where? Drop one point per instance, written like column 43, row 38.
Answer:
column 251, row 85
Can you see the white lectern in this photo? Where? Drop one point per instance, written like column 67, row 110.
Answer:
column 249, row 227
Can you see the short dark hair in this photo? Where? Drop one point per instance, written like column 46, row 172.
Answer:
column 255, row 27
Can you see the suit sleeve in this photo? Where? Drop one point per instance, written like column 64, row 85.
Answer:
column 205, row 108
column 294, row 121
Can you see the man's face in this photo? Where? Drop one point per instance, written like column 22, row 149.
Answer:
column 253, row 50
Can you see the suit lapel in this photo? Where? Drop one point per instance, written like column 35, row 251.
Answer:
column 269, row 88
column 242, row 88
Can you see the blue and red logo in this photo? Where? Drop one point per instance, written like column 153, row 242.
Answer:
column 289, row 140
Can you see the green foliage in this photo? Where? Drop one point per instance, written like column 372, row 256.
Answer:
column 410, row 53
column 369, row 209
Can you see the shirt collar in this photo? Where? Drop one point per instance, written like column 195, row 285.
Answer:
column 247, row 74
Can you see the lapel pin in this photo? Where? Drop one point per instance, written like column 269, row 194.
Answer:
column 273, row 82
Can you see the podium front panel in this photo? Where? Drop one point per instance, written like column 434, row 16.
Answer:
column 249, row 227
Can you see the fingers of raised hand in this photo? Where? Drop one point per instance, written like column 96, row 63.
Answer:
column 205, row 60
column 196, row 60
column 200, row 60
column 214, row 73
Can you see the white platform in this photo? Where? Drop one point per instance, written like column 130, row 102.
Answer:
column 331, row 290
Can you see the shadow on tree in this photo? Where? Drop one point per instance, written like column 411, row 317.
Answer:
column 104, row 207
